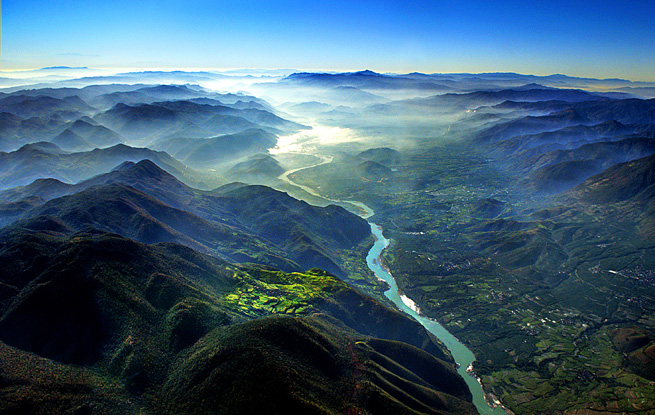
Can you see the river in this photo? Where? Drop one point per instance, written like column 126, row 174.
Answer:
column 462, row 355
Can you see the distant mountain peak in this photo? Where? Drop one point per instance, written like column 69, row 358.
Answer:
column 142, row 174
column 88, row 120
column 126, row 165
column 43, row 146
column 367, row 72
column 48, row 181
column 70, row 140
column 7, row 116
column 142, row 169
column 117, row 148
column 120, row 106
column 532, row 86
column 81, row 122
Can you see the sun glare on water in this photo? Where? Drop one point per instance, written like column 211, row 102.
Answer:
column 308, row 141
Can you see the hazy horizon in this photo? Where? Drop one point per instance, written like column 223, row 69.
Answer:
column 179, row 237
column 276, row 72
column 242, row 79
column 585, row 39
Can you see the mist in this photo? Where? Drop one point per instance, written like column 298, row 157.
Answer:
column 515, row 210
column 211, row 121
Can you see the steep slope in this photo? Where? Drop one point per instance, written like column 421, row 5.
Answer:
column 625, row 111
column 70, row 141
column 9, row 125
column 318, row 375
column 95, row 134
column 16, row 132
column 525, row 94
column 108, row 325
column 126, row 211
column 314, row 235
column 566, row 137
column 30, row 162
column 143, row 202
column 383, row 155
column 559, row 170
column 532, row 125
column 216, row 150
column 620, row 182
column 142, row 123
column 147, row 123
column 557, row 177
column 144, row 175
column 638, row 346
column 604, row 154
column 132, row 114
column 257, row 167
column 16, row 202
column 140, row 94
column 45, row 189
column 371, row 170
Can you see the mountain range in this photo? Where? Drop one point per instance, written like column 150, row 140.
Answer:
column 155, row 264
column 79, row 119
column 101, row 320
column 239, row 223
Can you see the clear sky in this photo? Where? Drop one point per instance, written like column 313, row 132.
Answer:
column 604, row 39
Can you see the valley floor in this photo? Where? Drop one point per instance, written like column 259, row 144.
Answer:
column 532, row 288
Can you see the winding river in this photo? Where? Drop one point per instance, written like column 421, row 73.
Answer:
column 462, row 355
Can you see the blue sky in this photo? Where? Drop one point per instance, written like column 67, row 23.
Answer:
column 581, row 38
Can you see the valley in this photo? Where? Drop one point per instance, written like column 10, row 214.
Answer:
column 500, row 282
column 485, row 403
column 163, row 243
column 526, row 277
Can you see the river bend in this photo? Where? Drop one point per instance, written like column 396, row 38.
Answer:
column 462, row 355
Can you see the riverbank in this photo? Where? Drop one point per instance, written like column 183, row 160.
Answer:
column 462, row 355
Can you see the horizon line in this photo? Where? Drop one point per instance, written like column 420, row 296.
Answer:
column 223, row 70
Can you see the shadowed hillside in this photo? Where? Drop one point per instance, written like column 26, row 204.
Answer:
column 242, row 224
column 112, row 325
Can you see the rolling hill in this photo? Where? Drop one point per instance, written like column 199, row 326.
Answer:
column 35, row 161
column 146, row 123
column 242, row 223
column 619, row 183
column 108, row 325
column 212, row 151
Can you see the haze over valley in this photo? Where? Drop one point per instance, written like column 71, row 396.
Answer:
column 201, row 242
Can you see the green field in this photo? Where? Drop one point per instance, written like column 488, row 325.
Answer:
column 533, row 284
